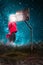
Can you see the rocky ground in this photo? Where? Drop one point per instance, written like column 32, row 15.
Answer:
column 27, row 61
column 20, row 56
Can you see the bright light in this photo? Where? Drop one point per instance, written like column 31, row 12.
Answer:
column 16, row 17
column 12, row 18
column 19, row 16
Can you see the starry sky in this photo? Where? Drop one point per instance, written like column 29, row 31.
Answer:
column 8, row 7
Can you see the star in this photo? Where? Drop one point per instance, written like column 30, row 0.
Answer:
column 19, row 3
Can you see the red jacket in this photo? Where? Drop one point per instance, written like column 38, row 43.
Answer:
column 12, row 28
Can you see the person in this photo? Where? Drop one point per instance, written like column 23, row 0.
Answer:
column 12, row 30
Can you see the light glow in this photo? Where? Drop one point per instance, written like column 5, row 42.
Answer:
column 12, row 18
column 19, row 16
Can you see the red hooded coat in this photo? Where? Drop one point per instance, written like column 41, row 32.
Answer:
column 12, row 28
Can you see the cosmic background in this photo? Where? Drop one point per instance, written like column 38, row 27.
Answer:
column 8, row 7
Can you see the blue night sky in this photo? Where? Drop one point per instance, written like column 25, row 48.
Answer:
column 8, row 7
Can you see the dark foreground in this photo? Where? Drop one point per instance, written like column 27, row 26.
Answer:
column 27, row 61
column 21, row 55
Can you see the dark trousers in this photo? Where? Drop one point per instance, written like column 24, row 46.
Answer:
column 12, row 37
